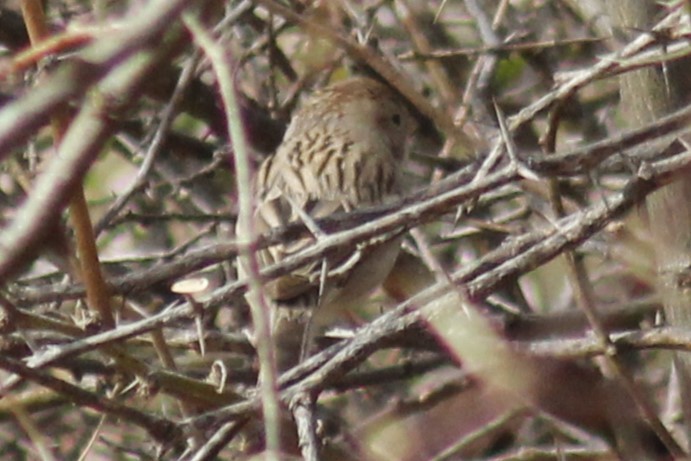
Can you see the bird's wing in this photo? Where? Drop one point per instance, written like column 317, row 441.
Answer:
column 290, row 192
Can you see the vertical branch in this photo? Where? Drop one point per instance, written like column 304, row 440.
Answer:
column 97, row 295
column 646, row 95
column 585, row 298
column 246, row 233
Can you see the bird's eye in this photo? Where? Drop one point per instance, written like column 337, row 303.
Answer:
column 396, row 119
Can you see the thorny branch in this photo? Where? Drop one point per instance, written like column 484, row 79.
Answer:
column 176, row 184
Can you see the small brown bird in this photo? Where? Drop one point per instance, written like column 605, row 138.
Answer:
column 343, row 150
